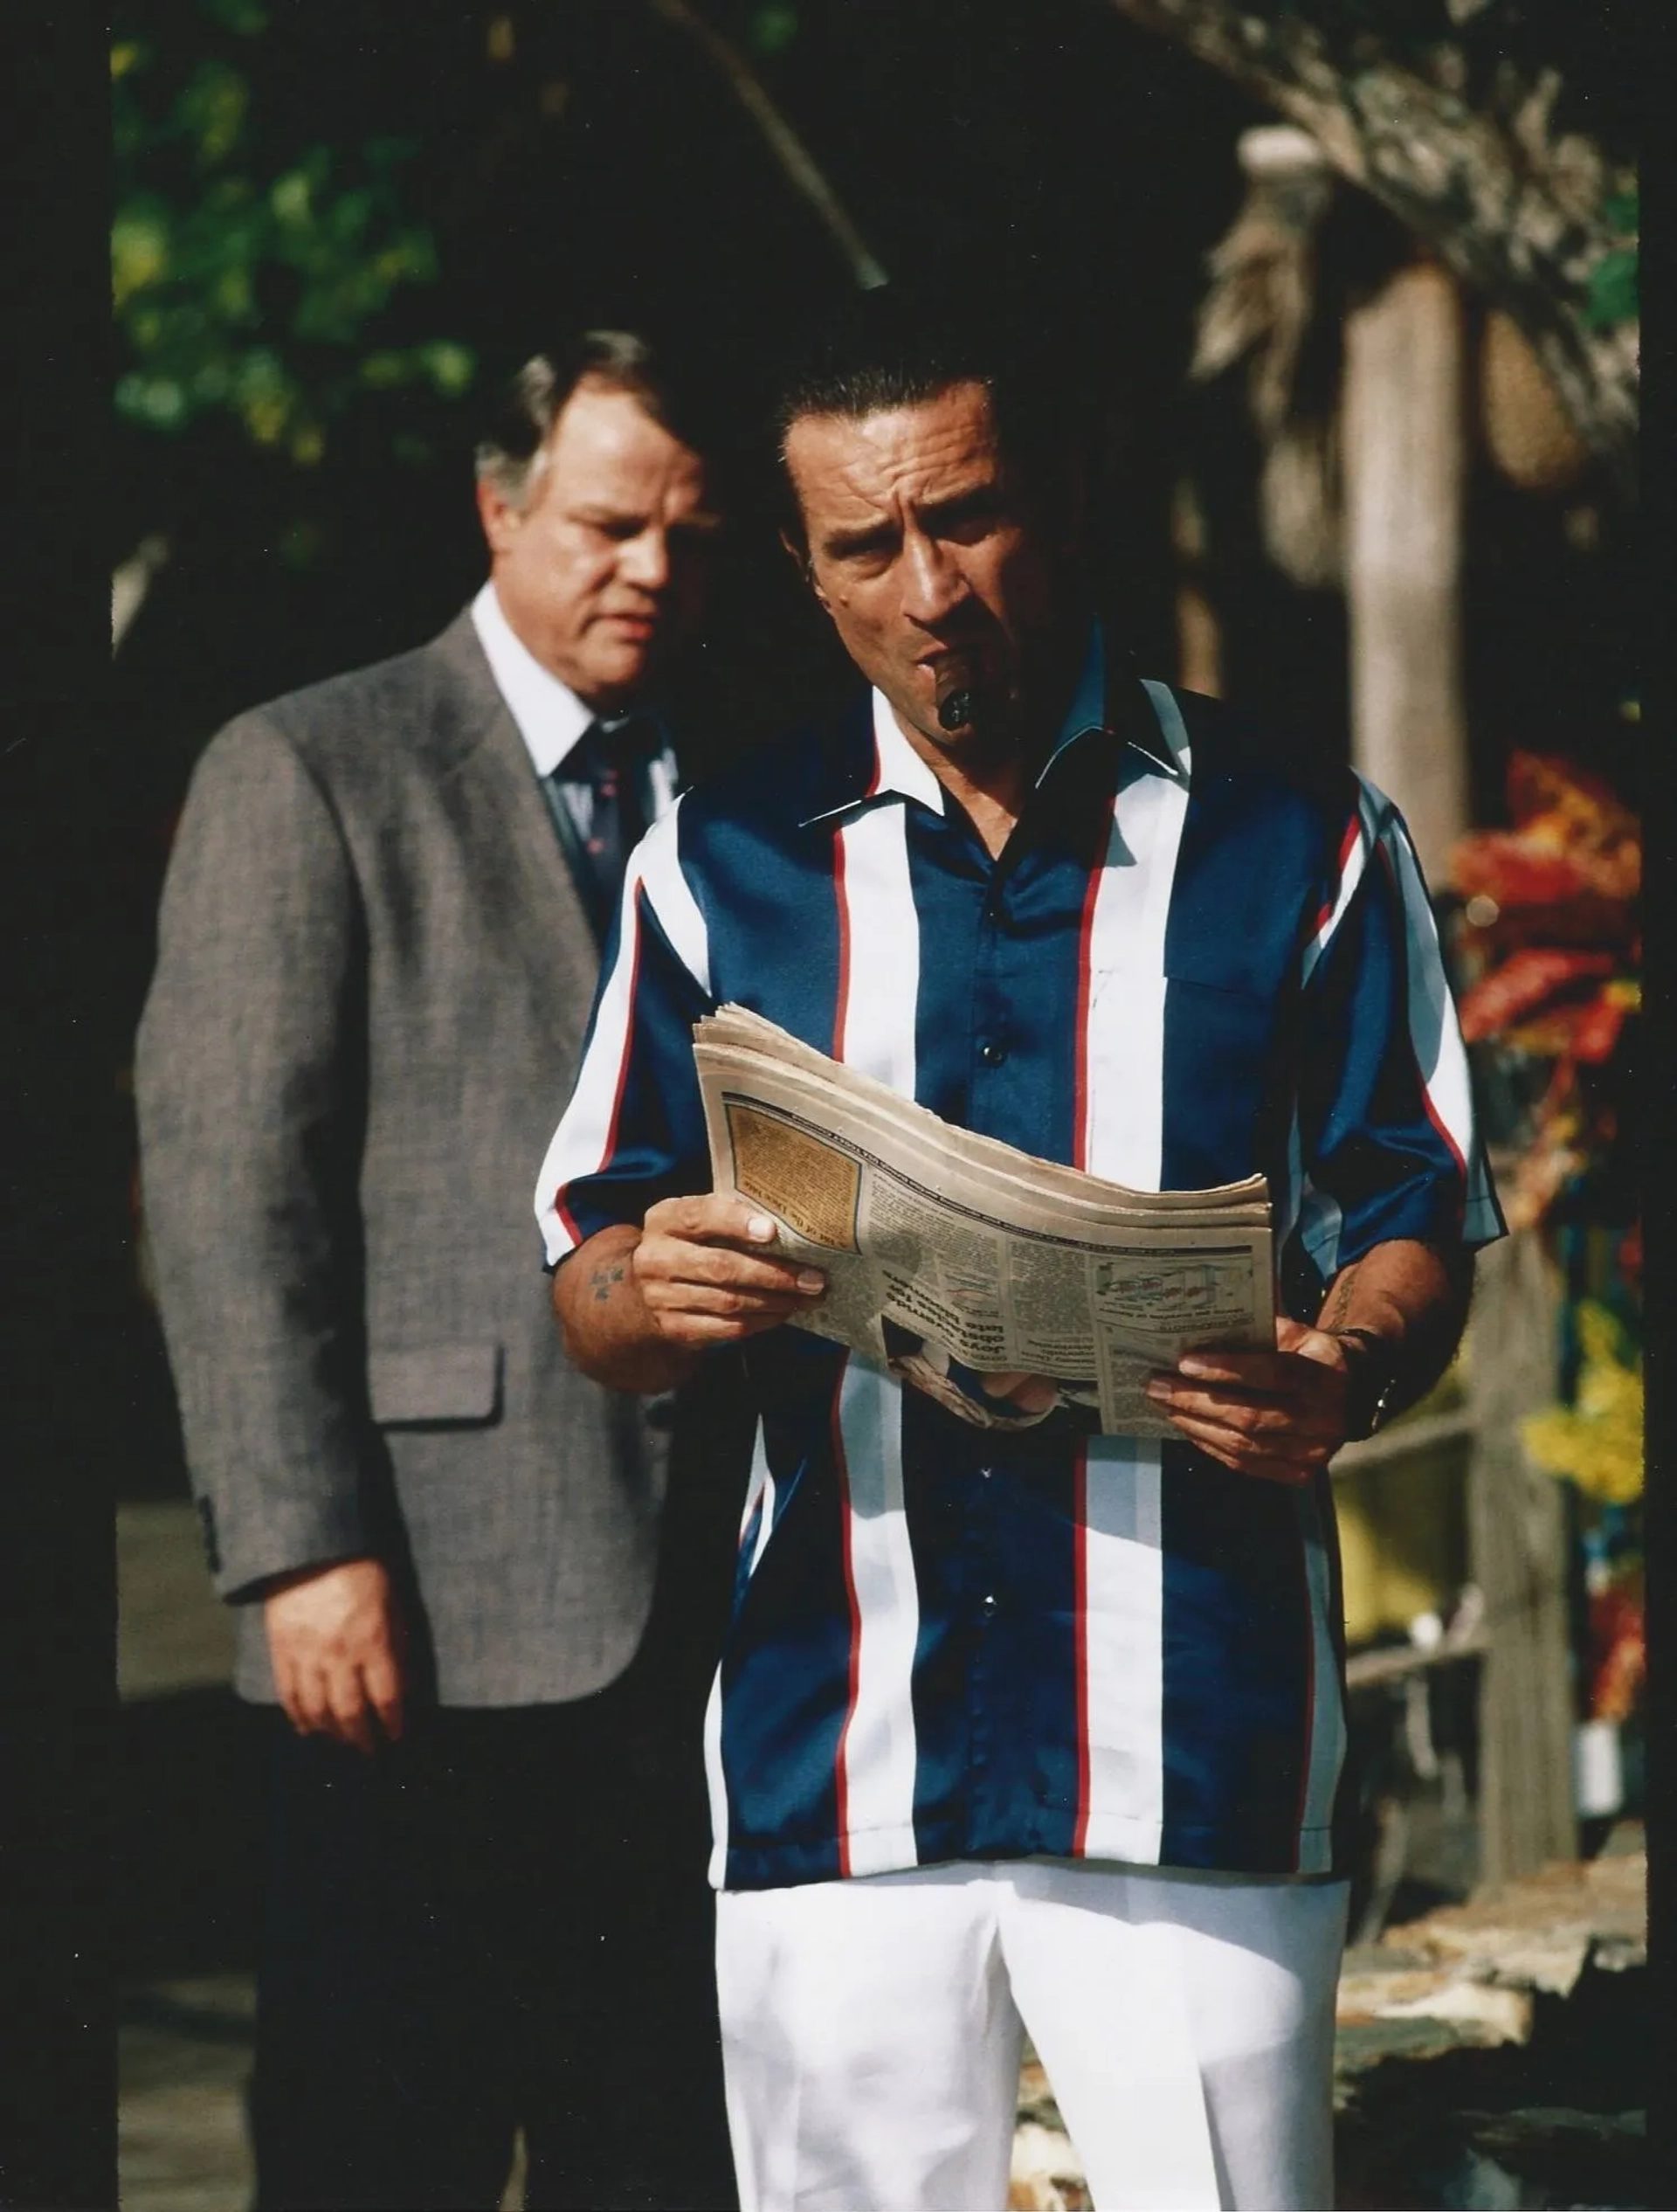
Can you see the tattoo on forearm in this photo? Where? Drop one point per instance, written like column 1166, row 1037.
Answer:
column 601, row 1280
column 1339, row 1301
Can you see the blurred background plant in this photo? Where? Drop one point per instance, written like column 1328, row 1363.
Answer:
column 259, row 294
column 1548, row 933
column 1596, row 1441
column 259, row 276
column 1548, row 944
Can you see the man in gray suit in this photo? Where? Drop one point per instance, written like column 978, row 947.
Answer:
column 378, row 943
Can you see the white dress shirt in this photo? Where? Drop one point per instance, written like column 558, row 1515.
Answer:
column 550, row 717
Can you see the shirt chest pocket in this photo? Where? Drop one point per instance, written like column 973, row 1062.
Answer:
column 1180, row 1073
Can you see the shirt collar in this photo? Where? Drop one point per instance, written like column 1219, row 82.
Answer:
column 1154, row 729
column 899, row 772
column 898, row 768
column 550, row 717
column 1088, row 708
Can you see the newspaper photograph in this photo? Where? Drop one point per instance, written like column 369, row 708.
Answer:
column 1001, row 1261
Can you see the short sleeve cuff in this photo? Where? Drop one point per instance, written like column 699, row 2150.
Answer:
column 1434, row 1215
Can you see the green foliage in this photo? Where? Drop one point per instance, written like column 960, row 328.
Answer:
column 253, row 282
column 773, row 27
column 1613, row 281
column 1612, row 290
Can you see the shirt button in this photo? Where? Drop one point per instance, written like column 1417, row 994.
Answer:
column 986, row 1472
column 992, row 1052
column 987, row 1604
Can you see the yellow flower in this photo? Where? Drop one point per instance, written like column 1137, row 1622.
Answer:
column 1596, row 1442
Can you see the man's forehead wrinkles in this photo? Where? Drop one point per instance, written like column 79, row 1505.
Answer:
column 922, row 452
column 623, row 490
column 876, row 485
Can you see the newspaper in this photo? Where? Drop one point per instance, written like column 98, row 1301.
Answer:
column 1005, row 1263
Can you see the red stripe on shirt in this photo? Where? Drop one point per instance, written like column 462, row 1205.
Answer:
column 1348, row 845
column 635, row 906
column 752, row 1521
column 841, row 1006
column 1085, row 947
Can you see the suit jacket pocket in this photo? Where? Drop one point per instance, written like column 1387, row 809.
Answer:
column 431, row 1386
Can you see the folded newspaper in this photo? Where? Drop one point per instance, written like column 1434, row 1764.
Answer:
column 1007, row 1263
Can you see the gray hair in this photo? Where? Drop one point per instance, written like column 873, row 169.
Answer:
column 512, row 452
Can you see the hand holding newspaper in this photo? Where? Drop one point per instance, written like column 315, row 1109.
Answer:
column 1005, row 1263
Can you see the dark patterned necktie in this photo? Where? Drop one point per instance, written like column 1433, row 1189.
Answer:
column 599, row 796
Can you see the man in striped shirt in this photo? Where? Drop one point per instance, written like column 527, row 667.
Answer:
column 1019, row 1727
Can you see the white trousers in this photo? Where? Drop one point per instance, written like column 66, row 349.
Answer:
column 872, row 2031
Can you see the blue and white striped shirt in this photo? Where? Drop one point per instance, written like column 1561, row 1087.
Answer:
column 949, row 1643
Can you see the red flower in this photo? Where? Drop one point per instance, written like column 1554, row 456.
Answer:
column 1525, row 980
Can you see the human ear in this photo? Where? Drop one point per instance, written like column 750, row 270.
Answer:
column 800, row 555
column 498, row 517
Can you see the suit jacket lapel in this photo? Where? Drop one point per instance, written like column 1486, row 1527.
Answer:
column 499, row 789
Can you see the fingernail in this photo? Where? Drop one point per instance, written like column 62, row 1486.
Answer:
column 1157, row 1389
column 1192, row 1367
column 761, row 1228
column 809, row 1280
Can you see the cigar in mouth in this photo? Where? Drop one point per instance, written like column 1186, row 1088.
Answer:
column 954, row 711
column 961, row 702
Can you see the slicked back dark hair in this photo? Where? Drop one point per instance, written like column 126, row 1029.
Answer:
column 531, row 401
column 899, row 344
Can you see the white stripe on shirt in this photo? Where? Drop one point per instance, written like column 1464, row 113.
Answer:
column 582, row 1141
column 1122, row 1650
column 1120, row 1640
column 1359, row 835
column 1440, row 1055
column 876, row 1018
column 1123, row 1132
column 657, row 859
column 877, row 1750
column 881, row 932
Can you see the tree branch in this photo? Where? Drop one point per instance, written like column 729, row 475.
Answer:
column 130, row 582
column 1518, row 214
column 795, row 161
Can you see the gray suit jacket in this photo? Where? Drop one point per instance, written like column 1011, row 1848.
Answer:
column 373, row 979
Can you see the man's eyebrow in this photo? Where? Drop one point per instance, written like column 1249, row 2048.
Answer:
column 878, row 537
column 606, row 518
column 874, row 537
column 961, row 505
